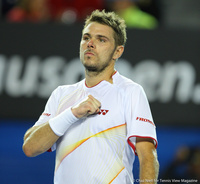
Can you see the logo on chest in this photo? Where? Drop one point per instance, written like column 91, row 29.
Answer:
column 103, row 112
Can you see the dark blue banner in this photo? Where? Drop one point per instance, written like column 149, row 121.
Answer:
column 35, row 59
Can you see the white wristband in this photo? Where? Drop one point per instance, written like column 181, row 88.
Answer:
column 62, row 122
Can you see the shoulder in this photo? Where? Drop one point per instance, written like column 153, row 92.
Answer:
column 127, row 85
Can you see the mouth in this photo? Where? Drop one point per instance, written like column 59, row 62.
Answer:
column 89, row 53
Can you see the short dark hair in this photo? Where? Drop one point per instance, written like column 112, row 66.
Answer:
column 111, row 19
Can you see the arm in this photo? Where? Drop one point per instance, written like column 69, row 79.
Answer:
column 39, row 139
column 149, row 165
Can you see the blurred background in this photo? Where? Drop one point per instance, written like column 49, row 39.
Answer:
column 39, row 50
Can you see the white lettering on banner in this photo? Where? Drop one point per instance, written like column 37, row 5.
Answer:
column 30, row 77
column 13, row 83
column 50, row 75
column 17, row 85
column 181, row 74
column 39, row 77
column 2, row 70
column 163, row 83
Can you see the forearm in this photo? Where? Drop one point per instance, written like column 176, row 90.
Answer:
column 149, row 168
column 39, row 139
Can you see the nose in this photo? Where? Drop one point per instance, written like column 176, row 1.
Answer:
column 90, row 44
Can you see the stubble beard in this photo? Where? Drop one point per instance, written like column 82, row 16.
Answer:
column 96, row 69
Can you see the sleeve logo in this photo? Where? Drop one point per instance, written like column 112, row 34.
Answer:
column 144, row 120
column 46, row 114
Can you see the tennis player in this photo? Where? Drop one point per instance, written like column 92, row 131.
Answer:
column 99, row 124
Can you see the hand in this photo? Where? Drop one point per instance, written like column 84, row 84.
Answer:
column 86, row 107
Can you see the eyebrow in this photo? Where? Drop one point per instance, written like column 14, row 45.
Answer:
column 98, row 36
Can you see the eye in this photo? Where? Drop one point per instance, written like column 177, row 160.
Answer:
column 85, row 38
column 102, row 40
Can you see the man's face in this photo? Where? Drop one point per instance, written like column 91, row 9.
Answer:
column 97, row 47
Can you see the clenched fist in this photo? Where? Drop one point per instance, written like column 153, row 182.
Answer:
column 86, row 107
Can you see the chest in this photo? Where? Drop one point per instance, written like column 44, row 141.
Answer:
column 111, row 114
column 112, row 108
column 107, row 125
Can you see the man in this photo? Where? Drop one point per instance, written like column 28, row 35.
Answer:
column 98, row 124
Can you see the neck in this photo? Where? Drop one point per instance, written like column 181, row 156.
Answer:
column 93, row 78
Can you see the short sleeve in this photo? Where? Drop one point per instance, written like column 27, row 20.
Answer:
column 50, row 108
column 138, row 117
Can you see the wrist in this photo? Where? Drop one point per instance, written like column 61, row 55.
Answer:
column 62, row 122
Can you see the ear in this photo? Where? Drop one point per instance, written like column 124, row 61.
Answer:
column 118, row 52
